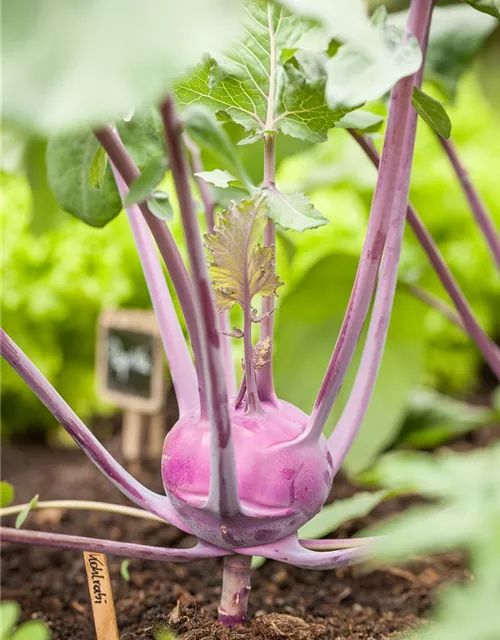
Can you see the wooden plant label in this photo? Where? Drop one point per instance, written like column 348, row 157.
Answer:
column 101, row 596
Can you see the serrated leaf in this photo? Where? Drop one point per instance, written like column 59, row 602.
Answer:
column 293, row 211
column 456, row 36
column 356, row 75
column 97, row 170
column 254, row 85
column 486, row 6
column 9, row 615
column 237, row 258
column 22, row 515
column 6, row 494
column 55, row 78
column 151, row 176
column 159, row 204
column 359, row 120
column 217, row 177
column 69, row 159
column 432, row 112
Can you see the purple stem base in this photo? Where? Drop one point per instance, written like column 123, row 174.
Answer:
column 235, row 590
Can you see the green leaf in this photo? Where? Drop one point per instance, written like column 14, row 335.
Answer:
column 310, row 315
column 33, row 630
column 432, row 112
column 457, row 35
column 434, row 419
column 56, row 78
column 210, row 136
column 363, row 121
column 217, row 177
column 294, row 211
column 9, row 615
column 98, row 166
column 69, row 159
column 124, row 572
column 24, row 513
column 486, row 6
column 356, row 74
column 151, row 176
column 236, row 257
column 160, row 206
column 337, row 513
column 6, row 494
column 143, row 136
column 466, row 502
column 253, row 86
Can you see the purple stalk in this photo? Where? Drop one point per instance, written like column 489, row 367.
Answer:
column 209, row 207
column 109, row 547
column 223, row 494
column 183, row 373
column 478, row 207
column 134, row 490
column 489, row 350
column 265, row 383
column 126, row 167
column 386, row 192
column 235, row 590
column 435, row 303
column 348, row 425
column 290, row 550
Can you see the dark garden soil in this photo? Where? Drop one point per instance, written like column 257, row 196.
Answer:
column 285, row 602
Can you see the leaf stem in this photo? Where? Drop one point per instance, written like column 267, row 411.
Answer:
column 265, row 383
column 129, row 486
column 359, row 398
column 478, row 207
column 84, row 505
column 386, row 193
column 435, row 303
column 183, row 373
column 209, row 207
column 129, row 172
column 223, row 494
column 489, row 350
column 109, row 547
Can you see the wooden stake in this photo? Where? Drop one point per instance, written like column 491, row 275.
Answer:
column 132, row 433
column 101, row 596
column 156, row 434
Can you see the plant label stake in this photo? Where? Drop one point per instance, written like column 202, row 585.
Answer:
column 131, row 374
column 101, row 596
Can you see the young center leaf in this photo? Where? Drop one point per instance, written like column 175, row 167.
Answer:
column 259, row 84
column 357, row 73
column 238, row 258
column 432, row 112
column 295, row 211
column 218, row 177
column 25, row 512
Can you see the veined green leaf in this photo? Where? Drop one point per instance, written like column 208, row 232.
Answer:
column 24, row 513
column 432, row 112
column 487, row 6
column 55, row 78
column 159, row 204
column 256, row 86
column 6, row 494
column 151, row 176
column 217, row 177
column 456, row 36
column 356, row 75
column 236, row 257
column 69, row 159
column 360, row 120
column 293, row 211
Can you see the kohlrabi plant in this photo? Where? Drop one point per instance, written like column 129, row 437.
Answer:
column 243, row 470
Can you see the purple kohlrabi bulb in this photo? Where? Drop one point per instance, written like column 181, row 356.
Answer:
column 282, row 481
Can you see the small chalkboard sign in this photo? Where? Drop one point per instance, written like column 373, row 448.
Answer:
column 130, row 360
column 131, row 374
